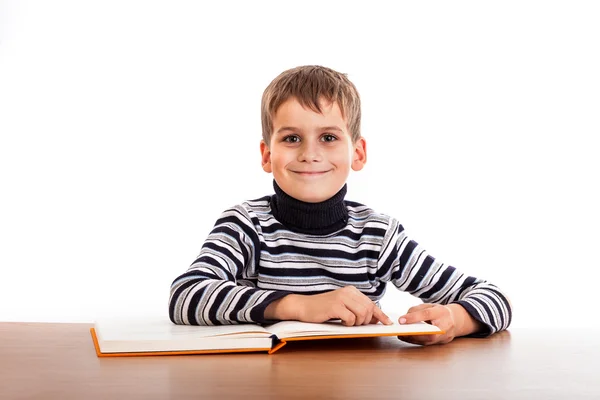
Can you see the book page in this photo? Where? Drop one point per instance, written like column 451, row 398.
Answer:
column 290, row 329
column 162, row 329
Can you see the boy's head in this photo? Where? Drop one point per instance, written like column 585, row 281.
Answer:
column 308, row 85
column 311, row 132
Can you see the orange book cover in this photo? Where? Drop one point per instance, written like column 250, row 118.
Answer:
column 152, row 338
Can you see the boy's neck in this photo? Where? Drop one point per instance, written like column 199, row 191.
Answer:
column 311, row 218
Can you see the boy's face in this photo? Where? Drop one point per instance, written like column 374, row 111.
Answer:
column 310, row 154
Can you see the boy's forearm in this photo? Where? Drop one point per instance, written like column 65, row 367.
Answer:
column 465, row 324
column 283, row 309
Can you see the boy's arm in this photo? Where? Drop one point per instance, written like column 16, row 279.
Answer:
column 481, row 308
column 214, row 290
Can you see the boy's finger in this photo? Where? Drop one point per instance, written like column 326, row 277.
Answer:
column 419, row 307
column 348, row 318
column 358, row 309
column 426, row 314
column 358, row 303
column 381, row 316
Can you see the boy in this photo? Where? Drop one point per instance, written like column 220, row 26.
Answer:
column 307, row 254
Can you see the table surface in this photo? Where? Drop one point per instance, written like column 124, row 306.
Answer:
column 58, row 361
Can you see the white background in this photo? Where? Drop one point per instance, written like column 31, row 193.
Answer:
column 127, row 127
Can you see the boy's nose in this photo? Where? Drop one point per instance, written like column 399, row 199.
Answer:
column 309, row 153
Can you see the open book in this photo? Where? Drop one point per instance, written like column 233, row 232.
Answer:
column 159, row 336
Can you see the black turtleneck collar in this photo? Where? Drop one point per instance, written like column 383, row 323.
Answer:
column 311, row 218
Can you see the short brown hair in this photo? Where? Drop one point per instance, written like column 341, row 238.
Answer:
column 308, row 84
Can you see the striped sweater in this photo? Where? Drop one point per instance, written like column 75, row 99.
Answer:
column 251, row 259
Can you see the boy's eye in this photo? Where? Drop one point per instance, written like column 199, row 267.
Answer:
column 329, row 138
column 291, row 139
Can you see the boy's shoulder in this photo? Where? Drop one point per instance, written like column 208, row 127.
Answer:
column 261, row 205
column 249, row 208
column 362, row 214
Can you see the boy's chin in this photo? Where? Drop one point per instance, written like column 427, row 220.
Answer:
column 310, row 192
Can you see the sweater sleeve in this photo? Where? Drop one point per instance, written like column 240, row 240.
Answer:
column 410, row 268
column 220, row 285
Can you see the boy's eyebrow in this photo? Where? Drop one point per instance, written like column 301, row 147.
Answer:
column 332, row 128
column 286, row 128
column 322, row 128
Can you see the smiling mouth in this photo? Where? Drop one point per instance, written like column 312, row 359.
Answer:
column 310, row 173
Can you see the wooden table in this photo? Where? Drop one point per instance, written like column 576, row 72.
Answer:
column 57, row 361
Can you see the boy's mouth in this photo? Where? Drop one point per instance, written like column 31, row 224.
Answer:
column 310, row 173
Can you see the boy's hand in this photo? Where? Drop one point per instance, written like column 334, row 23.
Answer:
column 453, row 319
column 347, row 304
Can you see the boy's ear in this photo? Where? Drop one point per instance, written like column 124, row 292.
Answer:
column 359, row 158
column 265, row 156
